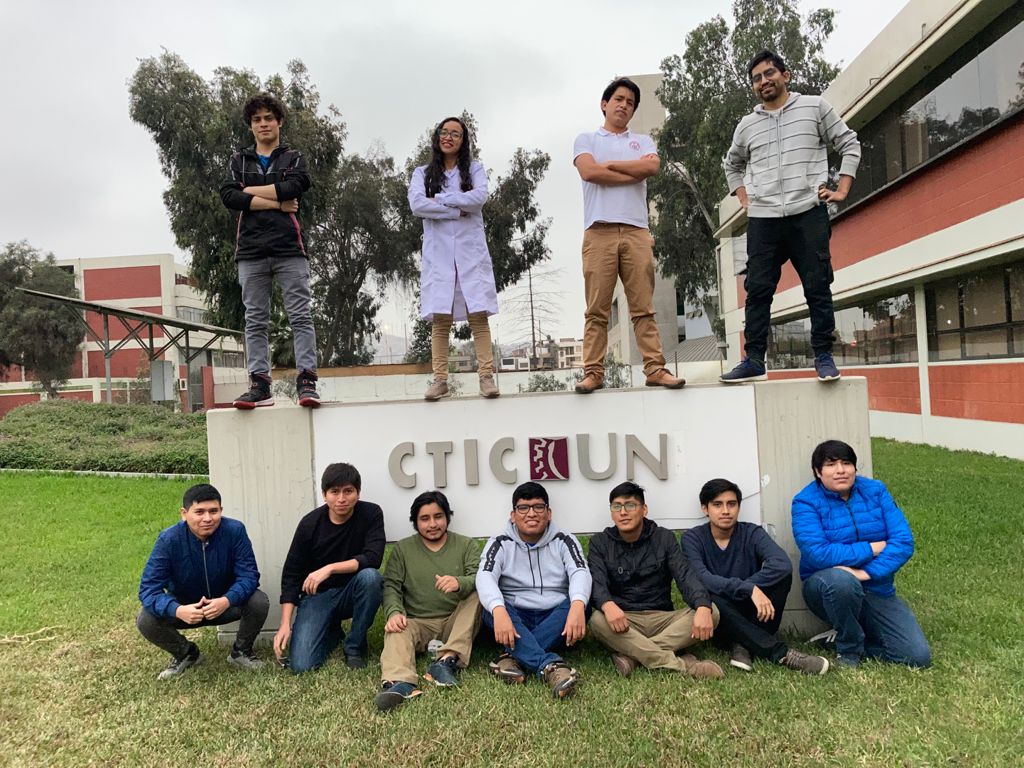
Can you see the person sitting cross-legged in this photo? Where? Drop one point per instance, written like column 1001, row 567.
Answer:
column 534, row 587
column 749, row 577
column 633, row 564
column 429, row 594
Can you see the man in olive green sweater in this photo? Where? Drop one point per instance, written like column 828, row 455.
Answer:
column 429, row 594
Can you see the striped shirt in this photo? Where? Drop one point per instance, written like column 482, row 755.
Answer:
column 781, row 155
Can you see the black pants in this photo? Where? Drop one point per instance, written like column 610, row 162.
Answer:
column 163, row 632
column 739, row 624
column 802, row 239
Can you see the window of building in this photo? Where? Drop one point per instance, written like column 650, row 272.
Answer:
column 873, row 332
column 977, row 86
column 193, row 315
column 978, row 315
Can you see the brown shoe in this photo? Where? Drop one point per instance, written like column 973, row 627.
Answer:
column 701, row 670
column 487, row 386
column 589, row 383
column 662, row 378
column 624, row 665
column 508, row 669
column 561, row 679
column 438, row 388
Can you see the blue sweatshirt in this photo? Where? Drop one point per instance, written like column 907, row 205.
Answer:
column 750, row 560
column 182, row 569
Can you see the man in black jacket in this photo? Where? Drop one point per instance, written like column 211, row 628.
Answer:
column 633, row 564
column 331, row 573
column 264, row 184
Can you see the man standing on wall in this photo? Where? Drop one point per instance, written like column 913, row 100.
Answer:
column 781, row 150
column 614, row 164
column 264, row 184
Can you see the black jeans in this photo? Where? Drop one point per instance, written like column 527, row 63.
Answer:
column 739, row 624
column 163, row 632
column 802, row 239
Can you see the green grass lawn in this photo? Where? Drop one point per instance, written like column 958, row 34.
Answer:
column 72, row 548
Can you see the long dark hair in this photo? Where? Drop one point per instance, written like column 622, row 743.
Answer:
column 433, row 179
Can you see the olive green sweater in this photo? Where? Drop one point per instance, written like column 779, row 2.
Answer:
column 409, row 585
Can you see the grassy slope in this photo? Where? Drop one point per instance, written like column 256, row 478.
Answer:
column 71, row 550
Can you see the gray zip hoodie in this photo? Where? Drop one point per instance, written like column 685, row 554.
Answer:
column 536, row 578
column 781, row 155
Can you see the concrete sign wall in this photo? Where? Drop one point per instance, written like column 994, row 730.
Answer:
column 477, row 451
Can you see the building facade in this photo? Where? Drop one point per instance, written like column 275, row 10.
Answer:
column 928, row 251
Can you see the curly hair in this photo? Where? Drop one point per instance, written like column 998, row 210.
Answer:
column 263, row 101
column 434, row 177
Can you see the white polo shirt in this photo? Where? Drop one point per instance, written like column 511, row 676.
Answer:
column 619, row 204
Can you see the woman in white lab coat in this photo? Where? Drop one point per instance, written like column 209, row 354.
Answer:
column 456, row 276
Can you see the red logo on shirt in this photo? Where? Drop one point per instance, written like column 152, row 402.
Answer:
column 549, row 458
column 634, row 145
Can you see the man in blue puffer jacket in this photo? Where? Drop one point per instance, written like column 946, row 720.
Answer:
column 852, row 539
column 201, row 571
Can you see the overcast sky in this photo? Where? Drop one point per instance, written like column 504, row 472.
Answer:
column 83, row 179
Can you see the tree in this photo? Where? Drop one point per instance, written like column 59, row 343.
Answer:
column 196, row 124
column 544, row 382
column 515, row 230
column 706, row 91
column 36, row 333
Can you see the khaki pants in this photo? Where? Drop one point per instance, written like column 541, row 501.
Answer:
column 481, row 330
column 456, row 631
column 612, row 251
column 653, row 637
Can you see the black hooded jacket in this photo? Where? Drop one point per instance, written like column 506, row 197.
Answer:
column 637, row 576
column 266, row 233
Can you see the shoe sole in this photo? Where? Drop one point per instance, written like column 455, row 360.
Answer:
column 741, row 665
column 824, row 669
column 309, row 402
column 587, row 390
column 564, row 689
column 491, row 396
column 439, row 397
column 762, row 377
column 246, row 406
column 509, row 676
column 680, row 385
column 387, row 700
column 830, row 378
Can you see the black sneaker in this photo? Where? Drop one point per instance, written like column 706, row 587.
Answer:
column 748, row 370
column 355, row 662
column 825, row 367
column 246, row 659
column 395, row 694
column 177, row 666
column 258, row 396
column 444, row 673
column 305, row 383
column 802, row 662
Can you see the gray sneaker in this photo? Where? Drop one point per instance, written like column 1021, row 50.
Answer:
column 487, row 386
column 246, row 659
column 801, row 662
column 177, row 666
column 740, row 658
column 438, row 388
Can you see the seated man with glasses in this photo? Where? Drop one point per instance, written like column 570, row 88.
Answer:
column 633, row 564
column 534, row 586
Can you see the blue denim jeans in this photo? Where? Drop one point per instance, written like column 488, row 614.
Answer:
column 256, row 277
column 317, row 627
column 540, row 633
column 866, row 624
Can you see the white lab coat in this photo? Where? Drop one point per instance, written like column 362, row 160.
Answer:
column 456, row 276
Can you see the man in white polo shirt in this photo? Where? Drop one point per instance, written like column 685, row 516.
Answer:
column 614, row 165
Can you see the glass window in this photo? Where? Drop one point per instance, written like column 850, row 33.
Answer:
column 874, row 332
column 977, row 315
column 978, row 85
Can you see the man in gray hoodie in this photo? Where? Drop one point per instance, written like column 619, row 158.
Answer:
column 781, row 151
column 534, row 586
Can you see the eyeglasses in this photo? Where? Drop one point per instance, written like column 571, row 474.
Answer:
column 629, row 506
column 770, row 72
column 444, row 133
column 525, row 509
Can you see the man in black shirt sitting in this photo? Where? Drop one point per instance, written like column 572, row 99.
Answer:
column 748, row 576
column 331, row 574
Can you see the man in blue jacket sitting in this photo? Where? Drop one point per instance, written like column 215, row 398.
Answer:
column 202, row 571
column 852, row 539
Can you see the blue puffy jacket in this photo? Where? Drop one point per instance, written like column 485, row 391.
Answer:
column 182, row 569
column 830, row 531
